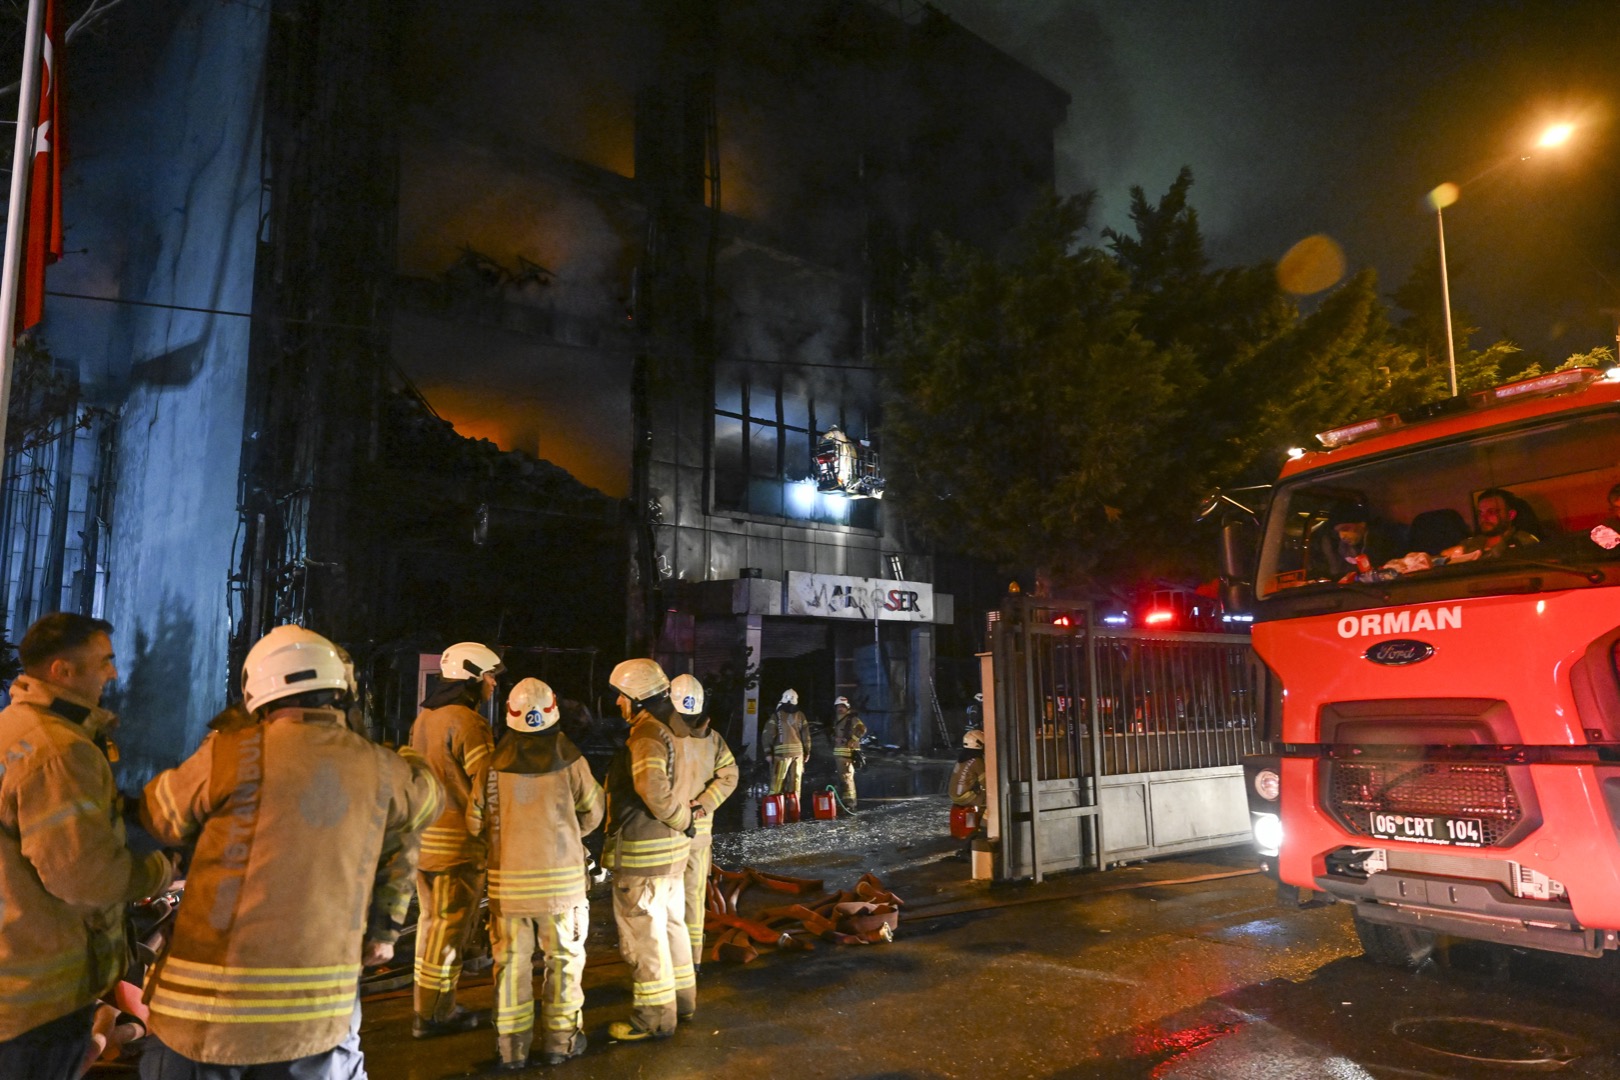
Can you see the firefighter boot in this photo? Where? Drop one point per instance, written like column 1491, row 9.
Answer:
column 457, row 1022
column 557, row 1057
column 514, row 1051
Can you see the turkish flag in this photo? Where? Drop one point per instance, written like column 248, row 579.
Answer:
column 42, row 238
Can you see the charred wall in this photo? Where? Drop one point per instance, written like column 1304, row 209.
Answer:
column 162, row 206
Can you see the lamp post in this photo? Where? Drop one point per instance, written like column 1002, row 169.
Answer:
column 1447, row 194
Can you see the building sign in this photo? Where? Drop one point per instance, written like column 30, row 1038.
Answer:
column 834, row 596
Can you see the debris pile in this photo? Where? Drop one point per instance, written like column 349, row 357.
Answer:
column 867, row 916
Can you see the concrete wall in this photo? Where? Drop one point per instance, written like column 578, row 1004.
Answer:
column 163, row 196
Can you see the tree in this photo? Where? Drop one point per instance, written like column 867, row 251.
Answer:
column 1026, row 420
column 1066, row 407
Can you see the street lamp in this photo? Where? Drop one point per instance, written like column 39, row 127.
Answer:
column 1447, row 194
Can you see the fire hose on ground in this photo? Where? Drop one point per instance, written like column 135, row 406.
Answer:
column 869, row 915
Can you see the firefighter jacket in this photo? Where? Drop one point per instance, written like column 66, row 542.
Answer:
column 847, row 735
column 65, row 873
column 534, row 807
column 306, row 842
column 718, row 774
column 650, row 787
column 788, row 734
column 967, row 779
column 455, row 741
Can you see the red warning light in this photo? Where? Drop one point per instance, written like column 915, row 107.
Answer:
column 1063, row 620
column 1158, row 618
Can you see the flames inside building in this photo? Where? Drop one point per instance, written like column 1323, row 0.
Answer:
column 547, row 325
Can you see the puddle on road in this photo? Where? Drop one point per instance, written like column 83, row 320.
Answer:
column 1491, row 1042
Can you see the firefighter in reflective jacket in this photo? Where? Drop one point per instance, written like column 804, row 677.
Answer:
column 787, row 739
column 848, row 731
column 306, row 835
column 718, row 771
column 536, row 804
column 651, row 785
column 65, row 873
column 967, row 777
column 456, row 742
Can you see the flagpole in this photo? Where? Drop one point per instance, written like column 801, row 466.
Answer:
column 22, row 165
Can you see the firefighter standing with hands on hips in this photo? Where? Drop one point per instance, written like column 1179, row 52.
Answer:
column 306, row 835
column 651, row 785
column 787, row 737
column 848, row 731
column 717, row 770
column 454, row 739
column 65, row 872
column 534, row 808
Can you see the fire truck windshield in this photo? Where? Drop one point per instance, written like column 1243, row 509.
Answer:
column 1517, row 509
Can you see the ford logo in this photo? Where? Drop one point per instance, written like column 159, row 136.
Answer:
column 1399, row 652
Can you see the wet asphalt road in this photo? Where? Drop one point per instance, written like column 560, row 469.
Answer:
column 1139, row 972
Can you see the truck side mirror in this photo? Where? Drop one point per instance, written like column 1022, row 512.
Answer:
column 1239, row 538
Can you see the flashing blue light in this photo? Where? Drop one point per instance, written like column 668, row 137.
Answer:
column 1116, row 620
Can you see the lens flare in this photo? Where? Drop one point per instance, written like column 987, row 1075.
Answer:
column 1313, row 264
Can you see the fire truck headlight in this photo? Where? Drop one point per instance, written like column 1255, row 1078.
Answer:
column 1268, row 833
column 1267, row 784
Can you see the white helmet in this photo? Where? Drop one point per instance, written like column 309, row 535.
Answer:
column 290, row 660
column 639, row 680
column 841, row 700
column 789, row 697
column 973, row 740
column 687, row 693
column 531, row 706
column 468, row 660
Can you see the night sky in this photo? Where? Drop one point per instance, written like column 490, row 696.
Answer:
column 1316, row 117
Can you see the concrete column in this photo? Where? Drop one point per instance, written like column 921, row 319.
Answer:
column 920, row 724
column 752, row 628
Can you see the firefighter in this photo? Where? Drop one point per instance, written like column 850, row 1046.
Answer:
column 967, row 778
column 456, row 742
column 65, row 872
column 305, row 837
column 717, row 770
column 787, row 737
column 534, row 808
column 848, row 731
column 650, row 788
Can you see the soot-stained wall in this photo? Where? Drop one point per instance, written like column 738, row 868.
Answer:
column 163, row 199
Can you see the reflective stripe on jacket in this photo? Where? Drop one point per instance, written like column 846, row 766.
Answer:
column 718, row 770
column 847, row 735
column 535, row 806
column 650, row 786
column 967, row 781
column 65, row 872
column 306, row 842
column 456, row 742
column 788, row 734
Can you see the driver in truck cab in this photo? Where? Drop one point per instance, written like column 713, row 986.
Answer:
column 1499, row 531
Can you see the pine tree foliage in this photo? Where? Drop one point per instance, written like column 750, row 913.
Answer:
column 1064, row 406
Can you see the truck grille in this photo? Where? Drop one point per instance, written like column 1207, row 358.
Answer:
column 1359, row 789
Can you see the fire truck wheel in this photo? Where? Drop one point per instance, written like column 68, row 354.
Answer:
column 1396, row 946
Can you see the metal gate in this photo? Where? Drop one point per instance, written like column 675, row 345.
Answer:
column 1130, row 740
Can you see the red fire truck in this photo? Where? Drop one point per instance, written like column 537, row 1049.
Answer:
column 1446, row 710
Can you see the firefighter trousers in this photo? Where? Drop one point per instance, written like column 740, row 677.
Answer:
column 52, row 1051
column 789, row 774
column 698, row 860
column 560, row 937
column 343, row 1062
column 651, row 916
column 449, row 914
column 846, row 781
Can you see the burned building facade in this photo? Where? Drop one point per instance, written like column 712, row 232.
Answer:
column 518, row 322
